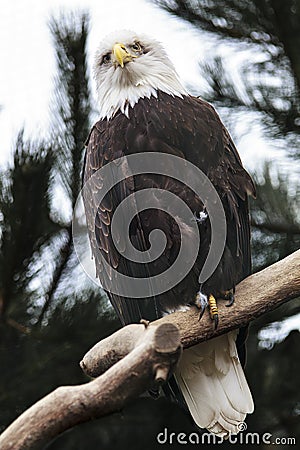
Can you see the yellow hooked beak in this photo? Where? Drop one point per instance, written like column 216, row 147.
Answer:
column 121, row 54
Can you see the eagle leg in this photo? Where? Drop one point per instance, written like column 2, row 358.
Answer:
column 213, row 310
column 201, row 302
column 228, row 295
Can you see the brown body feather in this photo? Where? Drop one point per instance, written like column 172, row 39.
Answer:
column 190, row 128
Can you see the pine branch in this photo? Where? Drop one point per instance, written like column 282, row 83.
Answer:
column 65, row 253
column 72, row 113
column 134, row 358
column 280, row 228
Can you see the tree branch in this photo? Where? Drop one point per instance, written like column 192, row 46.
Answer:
column 276, row 227
column 152, row 357
column 65, row 253
column 135, row 357
column 254, row 296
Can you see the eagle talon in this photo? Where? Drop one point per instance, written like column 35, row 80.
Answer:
column 231, row 300
column 201, row 303
column 145, row 322
column 216, row 320
column 201, row 314
column 228, row 295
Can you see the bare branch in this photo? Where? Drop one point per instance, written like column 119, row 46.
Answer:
column 137, row 356
column 154, row 356
column 256, row 295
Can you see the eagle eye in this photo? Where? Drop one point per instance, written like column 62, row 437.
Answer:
column 136, row 47
column 106, row 58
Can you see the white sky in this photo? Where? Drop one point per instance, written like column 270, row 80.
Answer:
column 27, row 57
column 27, row 62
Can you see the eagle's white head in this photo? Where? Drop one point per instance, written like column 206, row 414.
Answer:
column 129, row 67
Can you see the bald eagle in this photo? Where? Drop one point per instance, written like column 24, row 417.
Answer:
column 145, row 108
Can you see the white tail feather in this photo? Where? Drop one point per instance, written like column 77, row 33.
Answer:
column 214, row 386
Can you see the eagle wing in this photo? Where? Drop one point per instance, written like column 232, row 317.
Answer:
column 190, row 128
column 102, row 148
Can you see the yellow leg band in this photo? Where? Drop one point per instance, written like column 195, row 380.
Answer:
column 213, row 308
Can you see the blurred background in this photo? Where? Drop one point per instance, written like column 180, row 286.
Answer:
column 242, row 56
